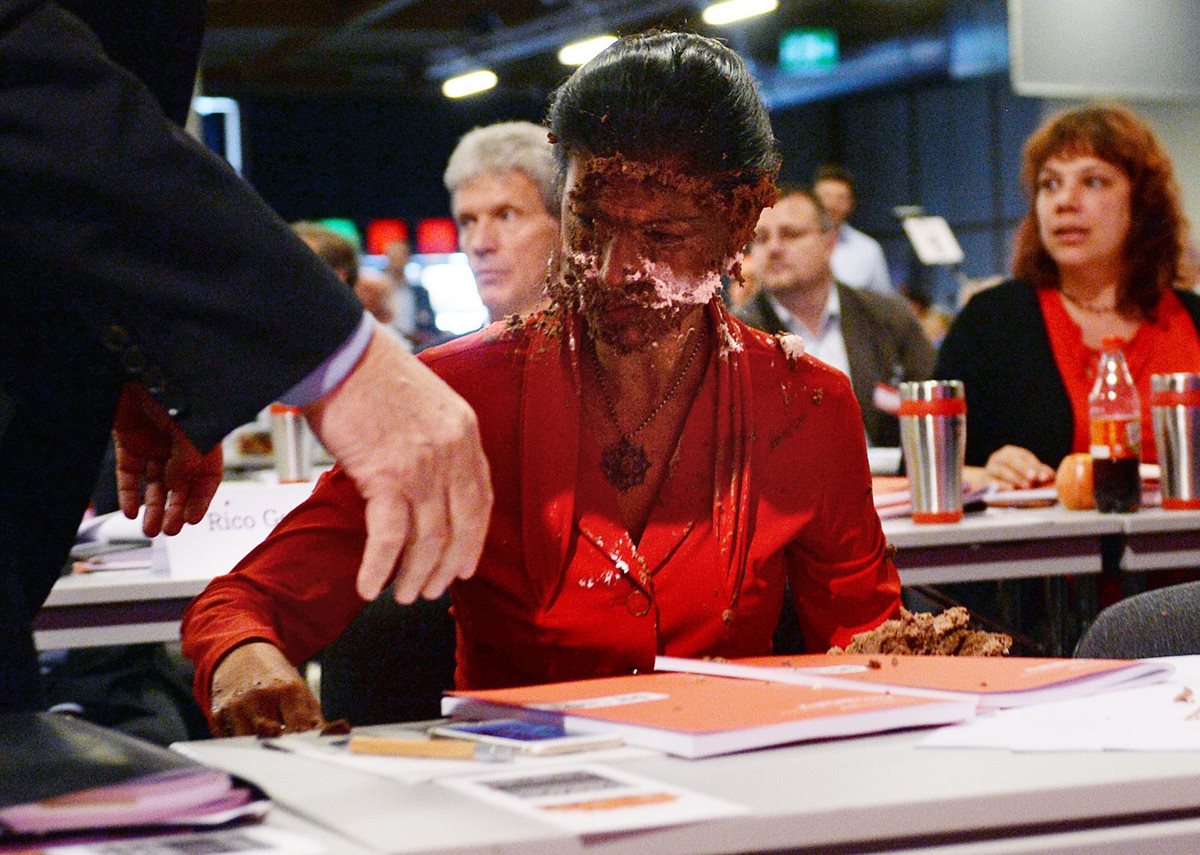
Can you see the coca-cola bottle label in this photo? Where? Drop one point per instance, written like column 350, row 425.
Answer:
column 1116, row 438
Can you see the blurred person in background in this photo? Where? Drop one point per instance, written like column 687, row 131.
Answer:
column 858, row 259
column 1097, row 254
column 372, row 288
column 872, row 338
column 182, row 307
column 335, row 249
column 504, row 198
column 934, row 320
column 375, row 290
column 663, row 469
column 414, row 318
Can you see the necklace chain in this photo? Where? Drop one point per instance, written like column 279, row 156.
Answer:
column 624, row 464
column 1091, row 308
column 684, row 366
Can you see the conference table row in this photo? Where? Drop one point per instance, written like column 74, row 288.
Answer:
column 888, row 792
column 891, row 792
column 998, row 544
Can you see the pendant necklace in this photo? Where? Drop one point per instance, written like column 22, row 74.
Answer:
column 1090, row 308
column 624, row 464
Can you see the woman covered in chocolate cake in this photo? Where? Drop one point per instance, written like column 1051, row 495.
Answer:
column 661, row 470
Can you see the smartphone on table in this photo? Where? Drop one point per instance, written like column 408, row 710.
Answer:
column 526, row 737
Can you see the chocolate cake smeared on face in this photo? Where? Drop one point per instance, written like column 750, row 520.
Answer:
column 926, row 634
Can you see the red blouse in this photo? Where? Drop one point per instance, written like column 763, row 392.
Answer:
column 1167, row 345
column 769, row 483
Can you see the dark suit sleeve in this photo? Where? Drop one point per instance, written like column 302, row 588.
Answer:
column 112, row 214
column 999, row 348
column 965, row 355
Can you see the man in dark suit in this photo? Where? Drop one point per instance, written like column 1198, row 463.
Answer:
column 148, row 290
column 872, row 337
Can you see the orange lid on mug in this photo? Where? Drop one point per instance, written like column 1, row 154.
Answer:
column 935, row 407
column 932, row 398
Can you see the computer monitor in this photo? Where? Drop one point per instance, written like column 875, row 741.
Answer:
column 452, row 291
column 1133, row 49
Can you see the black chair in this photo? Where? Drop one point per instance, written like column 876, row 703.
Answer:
column 391, row 664
column 1162, row 622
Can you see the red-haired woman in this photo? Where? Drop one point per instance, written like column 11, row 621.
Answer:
column 1096, row 255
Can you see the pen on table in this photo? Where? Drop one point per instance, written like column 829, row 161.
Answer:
column 441, row 748
column 399, row 746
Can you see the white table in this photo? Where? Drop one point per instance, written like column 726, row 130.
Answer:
column 1161, row 540
column 132, row 606
column 872, row 793
column 1009, row 543
column 1001, row 543
column 1049, row 543
column 113, row 607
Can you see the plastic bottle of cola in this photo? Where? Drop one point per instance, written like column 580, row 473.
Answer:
column 1116, row 429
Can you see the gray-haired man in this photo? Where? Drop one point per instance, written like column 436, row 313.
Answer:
column 502, row 180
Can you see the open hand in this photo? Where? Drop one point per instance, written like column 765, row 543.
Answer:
column 1013, row 467
column 411, row 446
column 155, row 456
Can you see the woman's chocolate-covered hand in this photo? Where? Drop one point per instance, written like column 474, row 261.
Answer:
column 256, row 691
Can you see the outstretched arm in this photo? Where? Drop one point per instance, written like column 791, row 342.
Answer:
column 411, row 446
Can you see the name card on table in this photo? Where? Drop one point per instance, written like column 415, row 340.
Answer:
column 240, row 517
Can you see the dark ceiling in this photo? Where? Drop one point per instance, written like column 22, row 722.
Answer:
column 404, row 48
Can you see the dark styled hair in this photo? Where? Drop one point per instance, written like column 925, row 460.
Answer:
column 679, row 97
column 1157, row 223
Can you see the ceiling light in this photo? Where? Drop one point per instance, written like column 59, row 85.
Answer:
column 577, row 53
column 735, row 10
column 469, row 84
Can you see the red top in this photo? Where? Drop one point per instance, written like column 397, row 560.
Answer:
column 1168, row 345
column 770, row 483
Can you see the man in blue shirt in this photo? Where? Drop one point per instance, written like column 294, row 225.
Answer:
column 858, row 259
